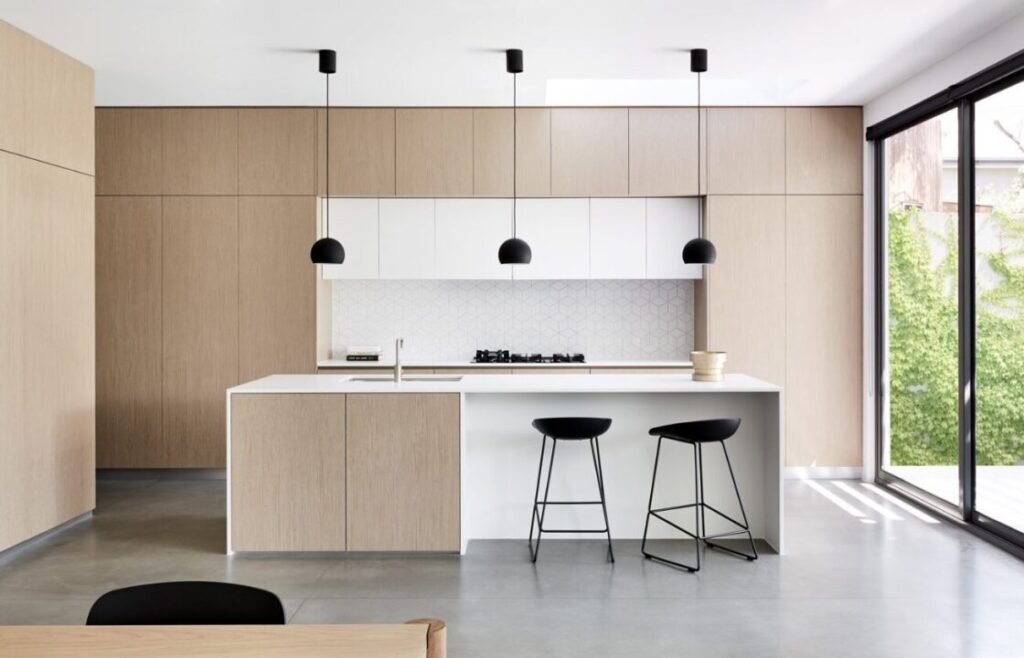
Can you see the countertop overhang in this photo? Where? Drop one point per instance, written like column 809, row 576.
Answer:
column 626, row 383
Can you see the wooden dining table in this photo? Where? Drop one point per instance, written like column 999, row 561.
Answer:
column 285, row 641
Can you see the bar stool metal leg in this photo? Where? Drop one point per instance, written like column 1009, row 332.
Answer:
column 595, row 454
column 538, row 514
column 745, row 525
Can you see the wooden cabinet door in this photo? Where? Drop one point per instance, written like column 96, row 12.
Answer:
column 434, row 152
column 492, row 151
column 287, row 472
column 403, row 471
column 129, row 365
column 746, row 287
column 200, row 151
column 746, row 150
column 663, row 151
column 129, row 150
column 824, row 150
column 362, row 151
column 276, row 149
column 589, row 152
column 824, row 283
column 276, row 286
column 200, row 322
column 617, row 238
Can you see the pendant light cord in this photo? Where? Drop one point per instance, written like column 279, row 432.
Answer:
column 700, row 202
column 327, row 156
column 515, row 152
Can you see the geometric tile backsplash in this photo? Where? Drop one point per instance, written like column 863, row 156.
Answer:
column 448, row 320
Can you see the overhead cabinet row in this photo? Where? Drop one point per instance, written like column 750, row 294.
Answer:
column 463, row 152
column 578, row 238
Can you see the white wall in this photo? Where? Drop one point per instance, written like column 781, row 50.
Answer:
column 979, row 54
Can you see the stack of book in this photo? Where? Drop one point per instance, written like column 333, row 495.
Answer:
column 362, row 354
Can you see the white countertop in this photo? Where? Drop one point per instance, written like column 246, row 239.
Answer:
column 342, row 363
column 654, row 383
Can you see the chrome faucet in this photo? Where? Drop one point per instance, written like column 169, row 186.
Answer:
column 399, row 344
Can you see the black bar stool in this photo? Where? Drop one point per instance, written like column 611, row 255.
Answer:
column 568, row 429
column 697, row 433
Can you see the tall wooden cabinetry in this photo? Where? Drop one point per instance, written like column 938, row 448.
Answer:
column 47, row 288
column 205, row 217
column 784, row 298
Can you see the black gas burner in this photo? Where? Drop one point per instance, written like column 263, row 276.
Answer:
column 504, row 356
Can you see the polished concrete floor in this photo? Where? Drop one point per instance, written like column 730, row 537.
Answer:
column 863, row 576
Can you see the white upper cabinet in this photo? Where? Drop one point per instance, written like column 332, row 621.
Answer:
column 354, row 225
column 671, row 223
column 468, row 234
column 618, row 238
column 558, row 232
column 407, row 239
column 458, row 238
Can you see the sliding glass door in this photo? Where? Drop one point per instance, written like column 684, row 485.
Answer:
column 920, row 440
column 999, row 306
column 949, row 206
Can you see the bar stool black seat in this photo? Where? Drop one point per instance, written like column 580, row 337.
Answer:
column 568, row 429
column 186, row 603
column 697, row 433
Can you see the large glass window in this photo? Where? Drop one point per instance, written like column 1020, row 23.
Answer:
column 999, row 305
column 920, row 436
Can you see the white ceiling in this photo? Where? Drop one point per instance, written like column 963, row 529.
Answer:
column 448, row 52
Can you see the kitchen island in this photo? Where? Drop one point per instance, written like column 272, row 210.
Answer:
column 364, row 464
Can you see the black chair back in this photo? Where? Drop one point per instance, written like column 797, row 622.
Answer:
column 187, row 602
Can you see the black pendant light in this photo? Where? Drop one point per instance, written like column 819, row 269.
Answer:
column 699, row 251
column 514, row 251
column 327, row 250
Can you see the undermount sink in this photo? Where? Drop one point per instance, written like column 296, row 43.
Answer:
column 410, row 378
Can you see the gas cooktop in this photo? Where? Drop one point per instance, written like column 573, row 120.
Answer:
column 504, row 356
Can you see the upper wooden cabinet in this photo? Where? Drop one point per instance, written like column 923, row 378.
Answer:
column 746, row 150
column 434, row 152
column 492, row 152
column 589, row 152
column 129, row 361
column 824, row 150
column 276, row 148
column 129, row 151
column 200, row 326
column 46, row 102
column 362, row 152
column 276, row 286
column 663, row 152
column 200, row 153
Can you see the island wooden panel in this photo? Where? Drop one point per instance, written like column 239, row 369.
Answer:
column 46, row 102
column 287, row 472
column 663, row 151
column 129, row 151
column 824, row 365
column 129, row 343
column 746, row 288
column 589, row 152
column 434, row 152
column 277, row 151
column 403, row 472
column 200, row 327
column 200, row 151
column 254, row 641
column 362, row 151
column 276, row 286
column 746, row 150
column 824, row 150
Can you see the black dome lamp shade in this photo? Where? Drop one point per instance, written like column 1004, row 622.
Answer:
column 699, row 251
column 514, row 251
column 327, row 250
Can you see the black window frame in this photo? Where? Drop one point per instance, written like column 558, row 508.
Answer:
column 961, row 97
